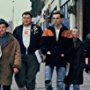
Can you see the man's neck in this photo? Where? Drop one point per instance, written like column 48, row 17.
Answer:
column 2, row 36
column 58, row 26
column 27, row 25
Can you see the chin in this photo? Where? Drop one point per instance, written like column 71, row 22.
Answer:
column 0, row 35
column 26, row 24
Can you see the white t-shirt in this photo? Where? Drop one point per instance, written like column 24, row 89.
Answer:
column 57, row 33
column 26, row 36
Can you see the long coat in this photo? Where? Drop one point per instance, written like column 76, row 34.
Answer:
column 10, row 59
column 87, row 51
column 75, row 75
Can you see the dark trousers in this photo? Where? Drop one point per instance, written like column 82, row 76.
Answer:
column 27, row 75
column 5, row 87
column 75, row 87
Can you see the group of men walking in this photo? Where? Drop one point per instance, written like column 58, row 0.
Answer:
column 60, row 47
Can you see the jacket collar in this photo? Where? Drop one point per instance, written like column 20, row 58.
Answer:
column 9, row 39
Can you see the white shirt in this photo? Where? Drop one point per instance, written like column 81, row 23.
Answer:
column 26, row 36
column 57, row 33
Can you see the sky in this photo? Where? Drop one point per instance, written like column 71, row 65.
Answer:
column 6, row 9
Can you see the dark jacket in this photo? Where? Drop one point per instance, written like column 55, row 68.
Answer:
column 75, row 75
column 87, row 51
column 56, row 48
column 87, row 46
column 35, row 38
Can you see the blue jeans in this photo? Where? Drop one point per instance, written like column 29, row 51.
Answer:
column 75, row 87
column 60, row 77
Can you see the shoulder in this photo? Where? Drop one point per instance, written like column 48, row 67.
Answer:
column 18, row 27
column 16, row 43
column 17, row 30
column 88, row 37
column 37, row 29
column 64, row 27
column 11, row 37
column 48, row 32
column 35, row 26
column 51, row 27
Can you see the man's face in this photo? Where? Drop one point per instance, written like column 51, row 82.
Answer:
column 26, row 20
column 56, row 19
column 2, row 29
column 75, row 33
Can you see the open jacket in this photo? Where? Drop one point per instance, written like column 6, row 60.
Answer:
column 53, row 48
column 35, row 38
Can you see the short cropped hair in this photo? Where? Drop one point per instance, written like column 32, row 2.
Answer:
column 27, row 13
column 2, row 21
column 58, row 12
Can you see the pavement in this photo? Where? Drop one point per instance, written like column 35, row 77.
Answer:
column 40, row 81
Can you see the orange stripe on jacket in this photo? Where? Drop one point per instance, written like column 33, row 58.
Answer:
column 47, row 32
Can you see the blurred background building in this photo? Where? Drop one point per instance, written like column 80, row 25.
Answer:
column 76, row 12
column 37, row 6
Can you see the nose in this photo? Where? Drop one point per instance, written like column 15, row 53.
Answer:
column 1, row 30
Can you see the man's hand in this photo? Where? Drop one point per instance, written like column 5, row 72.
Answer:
column 62, row 55
column 15, row 70
column 86, row 60
column 44, row 57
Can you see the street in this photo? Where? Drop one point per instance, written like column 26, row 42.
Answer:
column 40, row 81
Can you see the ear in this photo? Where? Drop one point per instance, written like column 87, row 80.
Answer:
column 62, row 19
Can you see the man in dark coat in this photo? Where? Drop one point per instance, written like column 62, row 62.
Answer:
column 28, row 35
column 55, row 47
column 75, row 75
column 87, row 53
